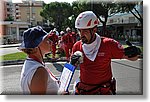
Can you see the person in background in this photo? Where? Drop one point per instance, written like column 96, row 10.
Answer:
column 95, row 72
column 68, row 42
column 61, row 43
column 55, row 30
column 36, row 78
column 54, row 42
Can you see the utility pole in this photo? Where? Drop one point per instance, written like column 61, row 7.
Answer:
column 30, row 12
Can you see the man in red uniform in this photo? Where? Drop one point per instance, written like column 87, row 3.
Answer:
column 95, row 71
column 54, row 41
column 68, row 42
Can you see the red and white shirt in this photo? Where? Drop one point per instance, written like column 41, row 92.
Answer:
column 99, row 70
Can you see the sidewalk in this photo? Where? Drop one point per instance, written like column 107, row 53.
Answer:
column 10, row 45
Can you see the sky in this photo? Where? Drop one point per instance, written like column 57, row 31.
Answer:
column 48, row 1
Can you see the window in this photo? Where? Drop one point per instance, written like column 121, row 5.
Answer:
column 131, row 19
column 13, row 30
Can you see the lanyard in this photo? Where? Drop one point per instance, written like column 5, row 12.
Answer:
column 36, row 59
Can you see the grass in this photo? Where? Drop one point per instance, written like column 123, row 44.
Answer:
column 14, row 56
column 56, row 56
column 22, row 56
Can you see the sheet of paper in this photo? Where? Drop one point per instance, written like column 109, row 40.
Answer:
column 66, row 77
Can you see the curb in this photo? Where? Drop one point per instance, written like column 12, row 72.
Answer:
column 9, row 46
column 17, row 62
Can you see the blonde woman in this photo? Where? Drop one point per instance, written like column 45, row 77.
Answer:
column 35, row 77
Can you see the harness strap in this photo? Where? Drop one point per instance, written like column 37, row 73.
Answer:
column 105, row 88
column 96, row 87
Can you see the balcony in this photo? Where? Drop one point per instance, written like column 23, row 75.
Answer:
column 17, row 11
column 18, row 15
column 18, row 19
column 17, row 6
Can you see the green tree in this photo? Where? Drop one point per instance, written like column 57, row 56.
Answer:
column 57, row 13
column 103, row 10
column 9, row 18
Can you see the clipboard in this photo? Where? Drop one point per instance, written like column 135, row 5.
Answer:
column 66, row 77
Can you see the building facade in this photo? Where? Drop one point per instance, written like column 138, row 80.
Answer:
column 17, row 17
column 30, row 12
column 125, row 26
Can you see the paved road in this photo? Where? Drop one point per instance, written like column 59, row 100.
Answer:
column 128, row 74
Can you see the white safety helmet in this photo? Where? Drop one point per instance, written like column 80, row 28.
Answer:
column 62, row 32
column 86, row 20
column 68, row 29
column 55, row 31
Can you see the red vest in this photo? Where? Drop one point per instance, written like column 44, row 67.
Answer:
column 99, row 70
column 54, row 38
column 68, row 39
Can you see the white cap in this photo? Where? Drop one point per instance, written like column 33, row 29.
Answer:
column 68, row 29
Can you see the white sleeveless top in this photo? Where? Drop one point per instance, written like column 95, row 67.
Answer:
column 29, row 68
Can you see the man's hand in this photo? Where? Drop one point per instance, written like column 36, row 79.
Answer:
column 132, row 51
column 132, row 58
column 76, row 58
